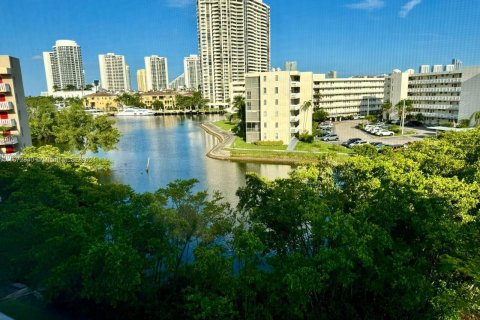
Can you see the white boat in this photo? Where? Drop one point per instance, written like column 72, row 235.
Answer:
column 135, row 112
column 95, row 112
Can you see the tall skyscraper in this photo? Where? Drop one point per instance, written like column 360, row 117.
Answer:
column 15, row 132
column 64, row 66
column 178, row 83
column 141, row 80
column 291, row 66
column 234, row 38
column 192, row 72
column 457, row 63
column 156, row 69
column 114, row 75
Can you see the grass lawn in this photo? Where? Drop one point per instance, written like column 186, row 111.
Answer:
column 240, row 144
column 318, row 146
column 225, row 125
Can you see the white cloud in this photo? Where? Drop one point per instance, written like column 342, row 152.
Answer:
column 367, row 5
column 179, row 3
column 37, row 57
column 409, row 7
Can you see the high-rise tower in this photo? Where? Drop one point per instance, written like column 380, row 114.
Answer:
column 64, row 66
column 234, row 38
column 156, row 69
column 114, row 73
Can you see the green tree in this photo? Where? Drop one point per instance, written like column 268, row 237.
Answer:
column 320, row 115
column 239, row 105
column 70, row 87
column 198, row 101
column 130, row 100
column 41, row 113
column 157, row 105
column 74, row 129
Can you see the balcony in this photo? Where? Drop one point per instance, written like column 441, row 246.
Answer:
column 444, row 89
column 294, row 107
column 295, row 84
column 4, row 88
column 436, row 107
column 441, row 115
column 294, row 95
column 294, row 130
column 9, row 123
column 294, row 119
column 8, row 140
column 6, row 106
column 435, row 98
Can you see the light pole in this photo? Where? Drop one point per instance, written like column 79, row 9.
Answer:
column 403, row 116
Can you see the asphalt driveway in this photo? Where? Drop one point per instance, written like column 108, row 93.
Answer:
column 347, row 130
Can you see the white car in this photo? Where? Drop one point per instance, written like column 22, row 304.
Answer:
column 357, row 143
column 384, row 133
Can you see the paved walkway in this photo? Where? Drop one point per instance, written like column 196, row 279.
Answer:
column 225, row 138
column 292, row 144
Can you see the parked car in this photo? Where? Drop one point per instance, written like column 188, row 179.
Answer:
column 358, row 117
column 330, row 137
column 349, row 141
column 413, row 123
column 384, row 133
column 357, row 143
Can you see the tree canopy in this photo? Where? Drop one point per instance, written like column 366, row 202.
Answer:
column 389, row 235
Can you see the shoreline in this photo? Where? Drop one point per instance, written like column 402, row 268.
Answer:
column 220, row 150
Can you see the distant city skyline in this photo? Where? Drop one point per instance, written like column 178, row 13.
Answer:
column 350, row 36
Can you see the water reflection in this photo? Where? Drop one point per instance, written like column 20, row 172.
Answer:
column 176, row 146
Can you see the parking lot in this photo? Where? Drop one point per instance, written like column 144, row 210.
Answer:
column 346, row 130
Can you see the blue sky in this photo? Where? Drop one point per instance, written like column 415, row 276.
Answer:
column 350, row 36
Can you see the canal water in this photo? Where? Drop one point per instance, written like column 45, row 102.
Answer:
column 177, row 147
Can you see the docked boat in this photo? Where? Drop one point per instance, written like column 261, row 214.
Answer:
column 135, row 112
column 95, row 112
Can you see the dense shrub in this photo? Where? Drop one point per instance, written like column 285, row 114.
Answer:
column 395, row 128
column 307, row 138
column 269, row 143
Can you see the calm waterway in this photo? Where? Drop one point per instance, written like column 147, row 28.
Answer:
column 177, row 147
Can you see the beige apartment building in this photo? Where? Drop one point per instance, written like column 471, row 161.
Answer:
column 342, row 97
column 13, row 109
column 234, row 39
column 168, row 98
column 442, row 96
column 101, row 101
column 277, row 106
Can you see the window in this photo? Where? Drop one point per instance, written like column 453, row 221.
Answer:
column 264, row 102
column 276, row 125
column 276, row 90
column 264, row 90
column 264, row 78
column 264, row 113
column 276, row 136
column 264, row 125
column 276, row 102
column 276, row 77
column 276, row 113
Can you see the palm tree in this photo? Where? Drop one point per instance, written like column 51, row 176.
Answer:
column 404, row 107
column 386, row 108
column 476, row 118
column 305, row 107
